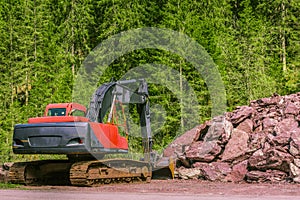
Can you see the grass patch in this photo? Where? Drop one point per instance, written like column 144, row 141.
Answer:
column 9, row 186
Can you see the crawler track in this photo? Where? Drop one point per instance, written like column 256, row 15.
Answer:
column 44, row 172
column 93, row 173
column 84, row 173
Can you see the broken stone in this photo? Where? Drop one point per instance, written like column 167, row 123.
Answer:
column 246, row 126
column 183, row 161
column 294, row 170
column 266, row 176
column 286, row 126
column 203, row 151
column 264, row 102
column 298, row 118
column 215, row 131
column 238, row 172
column 241, row 114
column 271, row 159
column 292, row 109
column 220, row 130
column 188, row 173
column 256, row 140
column 269, row 123
column 297, row 162
column 179, row 143
column 237, row 146
column 296, row 179
column 294, row 147
column 202, row 130
column 284, row 130
column 215, row 171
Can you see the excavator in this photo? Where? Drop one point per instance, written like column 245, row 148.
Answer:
column 86, row 136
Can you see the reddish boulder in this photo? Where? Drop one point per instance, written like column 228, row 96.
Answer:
column 256, row 141
column 269, row 124
column 283, row 131
column 203, row 151
column 202, row 130
column 292, row 108
column 215, row 171
column 266, row 176
column 265, row 102
column 271, row 159
column 298, row 118
column 179, row 144
column 220, row 130
column 238, row 172
column 246, row 126
column 294, row 147
column 236, row 147
column 287, row 125
column 241, row 114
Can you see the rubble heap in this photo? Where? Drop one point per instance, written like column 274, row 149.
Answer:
column 255, row 143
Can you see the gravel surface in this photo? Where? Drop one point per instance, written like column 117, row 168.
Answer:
column 187, row 187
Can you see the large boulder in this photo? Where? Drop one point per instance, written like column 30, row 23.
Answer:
column 266, row 176
column 238, row 172
column 270, row 159
column 283, row 131
column 215, row 171
column 292, row 109
column 237, row 146
column 203, row 151
column 241, row 114
column 179, row 144
column 294, row 147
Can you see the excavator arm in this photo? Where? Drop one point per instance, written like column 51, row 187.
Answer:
column 125, row 92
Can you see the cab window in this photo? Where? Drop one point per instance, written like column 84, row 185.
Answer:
column 57, row 112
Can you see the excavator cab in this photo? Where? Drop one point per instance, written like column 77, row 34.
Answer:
column 65, row 109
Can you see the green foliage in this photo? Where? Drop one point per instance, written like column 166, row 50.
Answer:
column 10, row 186
column 255, row 45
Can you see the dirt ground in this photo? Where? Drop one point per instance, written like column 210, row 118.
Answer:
column 188, row 187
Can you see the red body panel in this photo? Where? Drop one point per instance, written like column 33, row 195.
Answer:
column 68, row 106
column 52, row 119
column 109, row 136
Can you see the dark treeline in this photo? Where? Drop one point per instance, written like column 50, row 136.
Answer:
column 255, row 44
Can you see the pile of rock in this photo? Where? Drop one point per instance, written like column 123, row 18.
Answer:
column 255, row 143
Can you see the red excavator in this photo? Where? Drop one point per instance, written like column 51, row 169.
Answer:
column 86, row 136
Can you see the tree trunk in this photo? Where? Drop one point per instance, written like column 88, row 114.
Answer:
column 72, row 39
column 282, row 36
column 181, row 96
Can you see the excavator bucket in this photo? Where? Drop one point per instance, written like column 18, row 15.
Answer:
column 164, row 168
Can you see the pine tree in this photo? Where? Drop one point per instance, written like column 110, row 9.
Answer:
column 282, row 20
column 245, row 53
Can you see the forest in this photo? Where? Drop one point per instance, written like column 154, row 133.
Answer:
column 255, row 45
